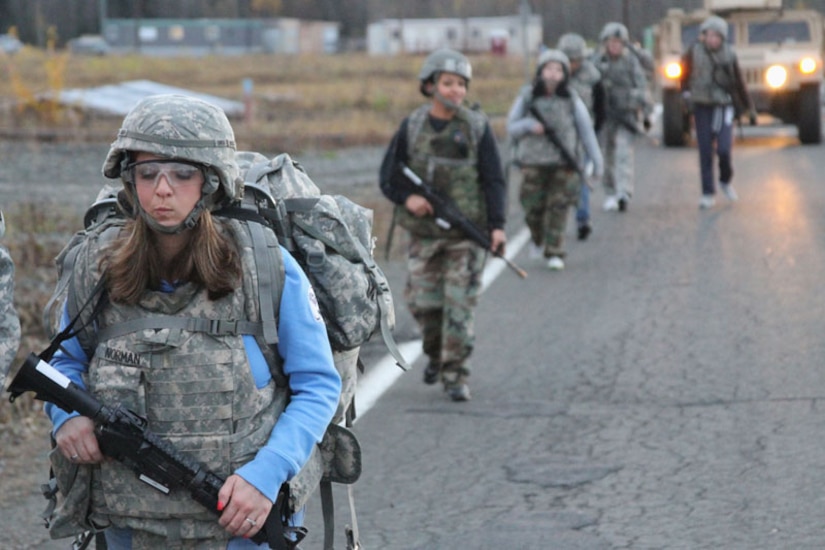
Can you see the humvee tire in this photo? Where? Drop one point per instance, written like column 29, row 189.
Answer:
column 809, row 121
column 675, row 122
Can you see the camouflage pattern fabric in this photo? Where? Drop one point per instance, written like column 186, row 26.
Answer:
column 624, row 83
column 9, row 322
column 331, row 237
column 582, row 82
column 168, row 375
column 180, row 127
column 537, row 150
column 447, row 159
column 711, row 75
column 616, row 142
column 547, row 193
column 442, row 292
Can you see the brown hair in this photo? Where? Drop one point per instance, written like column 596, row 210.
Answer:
column 210, row 259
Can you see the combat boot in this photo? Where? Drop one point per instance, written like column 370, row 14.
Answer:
column 432, row 373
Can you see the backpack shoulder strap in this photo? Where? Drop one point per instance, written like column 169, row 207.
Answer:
column 415, row 122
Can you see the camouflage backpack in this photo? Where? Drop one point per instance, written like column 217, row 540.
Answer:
column 331, row 239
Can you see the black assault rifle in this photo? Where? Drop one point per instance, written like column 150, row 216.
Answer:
column 447, row 215
column 566, row 154
column 124, row 436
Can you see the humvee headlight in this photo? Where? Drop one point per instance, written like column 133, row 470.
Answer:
column 776, row 76
column 807, row 65
column 673, row 70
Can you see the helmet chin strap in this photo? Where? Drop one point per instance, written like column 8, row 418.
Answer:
column 188, row 223
column 451, row 105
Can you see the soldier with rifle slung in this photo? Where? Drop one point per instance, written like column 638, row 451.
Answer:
column 714, row 85
column 550, row 125
column 452, row 147
column 625, row 87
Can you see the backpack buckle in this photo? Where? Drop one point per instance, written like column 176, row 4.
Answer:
column 222, row 327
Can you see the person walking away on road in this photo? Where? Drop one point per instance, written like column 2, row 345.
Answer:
column 549, row 121
column 171, row 274
column 585, row 80
column 453, row 147
column 625, row 88
column 713, row 85
column 9, row 322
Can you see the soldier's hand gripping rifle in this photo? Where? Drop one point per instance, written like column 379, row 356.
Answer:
column 447, row 215
column 566, row 154
column 124, row 436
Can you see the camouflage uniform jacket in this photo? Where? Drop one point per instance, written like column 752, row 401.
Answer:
column 209, row 392
column 713, row 77
column 624, row 82
column 571, row 121
column 484, row 185
column 583, row 81
column 9, row 322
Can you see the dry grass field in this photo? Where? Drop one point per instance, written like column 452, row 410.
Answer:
column 299, row 102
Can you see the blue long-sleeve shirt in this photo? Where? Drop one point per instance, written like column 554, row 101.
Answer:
column 314, row 383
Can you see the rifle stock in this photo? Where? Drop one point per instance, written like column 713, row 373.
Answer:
column 447, row 215
column 124, row 436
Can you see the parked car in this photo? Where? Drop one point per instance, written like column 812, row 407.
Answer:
column 88, row 44
column 10, row 44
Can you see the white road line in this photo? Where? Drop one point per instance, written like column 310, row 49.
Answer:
column 382, row 376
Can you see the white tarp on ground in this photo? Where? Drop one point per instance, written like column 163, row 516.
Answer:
column 118, row 99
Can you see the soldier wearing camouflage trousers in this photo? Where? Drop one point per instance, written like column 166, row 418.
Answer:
column 625, row 87
column 550, row 185
column 452, row 147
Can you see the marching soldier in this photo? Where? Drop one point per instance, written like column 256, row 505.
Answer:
column 625, row 88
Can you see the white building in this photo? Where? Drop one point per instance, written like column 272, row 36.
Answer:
column 502, row 35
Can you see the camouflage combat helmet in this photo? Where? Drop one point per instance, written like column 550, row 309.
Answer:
column 614, row 29
column 715, row 23
column 573, row 45
column 443, row 60
column 185, row 128
column 553, row 55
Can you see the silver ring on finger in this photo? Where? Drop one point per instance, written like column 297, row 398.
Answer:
column 252, row 521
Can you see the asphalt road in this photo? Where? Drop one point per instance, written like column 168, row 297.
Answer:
column 663, row 391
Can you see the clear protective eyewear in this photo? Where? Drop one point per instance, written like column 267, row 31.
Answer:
column 147, row 173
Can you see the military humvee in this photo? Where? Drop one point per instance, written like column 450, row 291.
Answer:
column 780, row 55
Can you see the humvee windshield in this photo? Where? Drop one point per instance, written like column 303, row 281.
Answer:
column 779, row 32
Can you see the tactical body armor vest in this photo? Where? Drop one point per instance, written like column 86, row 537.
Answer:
column 448, row 160
column 582, row 82
column 711, row 76
column 619, row 79
column 537, row 150
column 185, row 368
